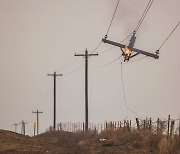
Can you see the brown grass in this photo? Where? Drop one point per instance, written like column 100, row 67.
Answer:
column 118, row 141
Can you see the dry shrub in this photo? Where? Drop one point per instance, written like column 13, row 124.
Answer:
column 175, row 145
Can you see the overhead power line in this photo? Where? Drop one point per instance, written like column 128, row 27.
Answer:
column 168, row 36
column 110, row 62
column 144, row 14
column 112, row 18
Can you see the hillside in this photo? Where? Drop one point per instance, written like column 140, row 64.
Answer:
column 119, row 141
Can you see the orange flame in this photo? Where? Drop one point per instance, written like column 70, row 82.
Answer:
column 128, row 52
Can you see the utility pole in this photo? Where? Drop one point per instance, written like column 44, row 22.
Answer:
column 86, row 56
column 15, row 127
column 23, row 127
column 37, row 112
column 54, row 75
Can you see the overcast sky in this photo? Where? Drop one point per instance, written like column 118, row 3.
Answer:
column 41, row 36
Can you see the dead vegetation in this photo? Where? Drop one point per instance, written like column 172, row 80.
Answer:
column 121, row 140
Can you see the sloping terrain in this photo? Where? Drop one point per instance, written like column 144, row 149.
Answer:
column 115, row 142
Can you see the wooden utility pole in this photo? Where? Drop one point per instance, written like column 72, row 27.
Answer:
column 15, row 127
column 86, row 56
column 23, row 127
column 54, row 75
column 37, row 112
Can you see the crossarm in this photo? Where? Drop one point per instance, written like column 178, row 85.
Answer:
column 113, row 43
column 146, row 53
column 133, row 49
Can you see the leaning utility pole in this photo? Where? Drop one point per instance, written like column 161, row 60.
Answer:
column 15, row 127
column 86, row 56
column 37, row 112
column 54, row 75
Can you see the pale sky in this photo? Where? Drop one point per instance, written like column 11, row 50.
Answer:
column 41, row 36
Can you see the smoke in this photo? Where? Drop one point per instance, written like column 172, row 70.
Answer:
column 128, row 14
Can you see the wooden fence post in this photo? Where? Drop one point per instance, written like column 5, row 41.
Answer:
column 144, row 124
column 124, row 123
column 171, row 131
column 158, row 126
column 150, row 124
column 168, row 126
column 179, row 130
column 137, row 121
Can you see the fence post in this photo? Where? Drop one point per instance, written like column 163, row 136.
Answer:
column 144, row 124
column 150, row 124
column 179, row 130
column 137, row 121
column 124, row 123
column 158, row 126
column 168, row 126
column 60, row 127
column 106, row 125
column 171, row 131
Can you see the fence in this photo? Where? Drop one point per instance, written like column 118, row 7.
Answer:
column 167, row 127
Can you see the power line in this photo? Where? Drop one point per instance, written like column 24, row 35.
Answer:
column 75, row 70
column 125, row 94
column 112, row 18
column 97, row 47
column 137, row 60
column 110, row 62
column 168, row 37
column 144, row 14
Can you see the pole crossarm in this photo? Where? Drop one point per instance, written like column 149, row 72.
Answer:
column 53, row 74
column 138, row 51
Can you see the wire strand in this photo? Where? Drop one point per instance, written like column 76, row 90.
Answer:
column 97, row 47
column 110, row 62
column 168, row 36
column 144, row 14
column 125, row 101
column 115, row 46
column 112, row 17
column 75, row 70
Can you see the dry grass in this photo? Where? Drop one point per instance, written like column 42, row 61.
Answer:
column 118, row 141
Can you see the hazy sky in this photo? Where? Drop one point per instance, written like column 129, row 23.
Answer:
column 41, row 36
